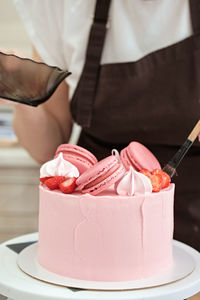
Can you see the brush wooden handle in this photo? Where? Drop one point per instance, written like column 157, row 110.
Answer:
column 177, row 158
column 195, row 132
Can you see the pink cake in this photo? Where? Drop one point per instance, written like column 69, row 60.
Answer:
column 109, row 236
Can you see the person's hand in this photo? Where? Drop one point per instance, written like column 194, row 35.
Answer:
column 6, row 62
column 10, row 67
column 4, row 102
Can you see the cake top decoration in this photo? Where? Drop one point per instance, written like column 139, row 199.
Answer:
column 59, row 167
column 133, row 183
column 120, row 171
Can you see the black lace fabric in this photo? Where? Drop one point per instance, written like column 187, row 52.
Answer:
column 26, row 81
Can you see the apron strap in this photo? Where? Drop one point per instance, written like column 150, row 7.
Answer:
column 195, row 15
column 82, row 101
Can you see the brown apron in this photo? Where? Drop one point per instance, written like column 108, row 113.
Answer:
column 155, row 100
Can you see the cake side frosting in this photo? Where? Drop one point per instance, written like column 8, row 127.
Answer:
column 107, row 237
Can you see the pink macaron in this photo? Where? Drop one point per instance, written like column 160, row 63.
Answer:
column 101, row 176
column 139, row 157
column 78, row 156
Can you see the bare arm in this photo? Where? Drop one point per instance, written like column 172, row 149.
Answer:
column 40, row 130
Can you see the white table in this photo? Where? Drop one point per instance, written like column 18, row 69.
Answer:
column 17, row 285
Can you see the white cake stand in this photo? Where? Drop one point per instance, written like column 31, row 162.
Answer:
column 17, row 285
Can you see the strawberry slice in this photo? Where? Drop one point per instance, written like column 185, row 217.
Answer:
column 156, row 181
column 165, row 177
column 157, row 171
column 165, row 180
column 43, row 179
column 53, row 182
column 68, row 186
column 146, row 173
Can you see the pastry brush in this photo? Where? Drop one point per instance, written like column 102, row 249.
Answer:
column 170, row 167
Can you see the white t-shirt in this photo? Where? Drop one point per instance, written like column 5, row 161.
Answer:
column 59, row 30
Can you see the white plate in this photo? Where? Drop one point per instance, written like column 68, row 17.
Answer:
column 183, row 266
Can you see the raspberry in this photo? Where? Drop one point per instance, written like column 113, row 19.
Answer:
column 156, row 181
column 68, row 186
column 53, row 182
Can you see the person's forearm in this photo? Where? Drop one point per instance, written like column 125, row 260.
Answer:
column 37, row 131
column 40, row 130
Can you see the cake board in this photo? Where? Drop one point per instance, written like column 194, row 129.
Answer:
column 16, row 284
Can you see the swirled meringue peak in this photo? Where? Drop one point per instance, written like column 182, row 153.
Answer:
column 125, row 186
column 59, row 167
column 133, row 183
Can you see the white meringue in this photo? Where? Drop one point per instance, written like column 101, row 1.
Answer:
column 133, row 182
column 58, row 167
column 125, row 187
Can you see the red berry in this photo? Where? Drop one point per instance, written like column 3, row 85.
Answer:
column 68, row 186
column 43, row 179
column 157, row 171
column 165, row 177
column 165, row 180
column 53, row 182
column 156, row 181
column 146, row 173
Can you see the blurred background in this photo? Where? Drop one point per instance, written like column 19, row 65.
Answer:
column 18, row 172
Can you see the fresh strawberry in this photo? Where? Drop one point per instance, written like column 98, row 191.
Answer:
column 68, row 186
column 53, row 182
column 165, row 177
column 43, row 179
column 157, row 171
column 146, row 173
column 156, row 181
column 165, row 180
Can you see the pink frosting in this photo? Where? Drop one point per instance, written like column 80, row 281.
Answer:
column 133, row 183
column 106, row 237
